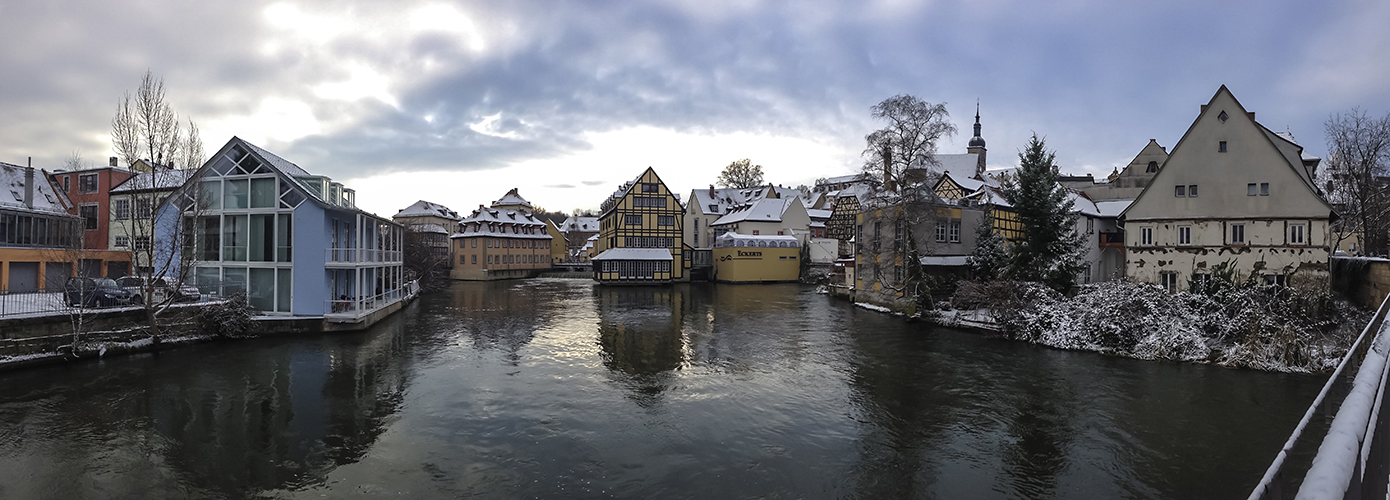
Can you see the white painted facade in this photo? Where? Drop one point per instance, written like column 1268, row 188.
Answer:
column 1254, row 205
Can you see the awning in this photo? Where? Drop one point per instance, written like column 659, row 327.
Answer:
column 634, row 254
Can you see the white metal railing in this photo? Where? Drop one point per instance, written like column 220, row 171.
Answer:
column 356, row 307
column 361, row 255
column 1343, row 458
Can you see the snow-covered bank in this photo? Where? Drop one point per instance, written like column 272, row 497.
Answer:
column 1270, row 328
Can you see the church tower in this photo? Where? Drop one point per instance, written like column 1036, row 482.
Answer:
column 977, row 146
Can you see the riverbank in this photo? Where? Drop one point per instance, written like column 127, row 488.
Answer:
column 1278, row 329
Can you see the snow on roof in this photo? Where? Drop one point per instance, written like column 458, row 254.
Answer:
column 732, row 239
column 45, row 199
column 424, row 208
column 163, row 179
column 428, row 228
column 581, row 224
column 1112, row 208
column 511, row 198
column 764, row 210
column 946, row 260
column 846, row 178
column 819, row 214
column 962, row 163
column 502, row 223
column 720, row 203
column 283, row 165
column 1080, row 203
column 634, row 254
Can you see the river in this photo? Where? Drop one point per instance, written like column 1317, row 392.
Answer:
column 563, row 389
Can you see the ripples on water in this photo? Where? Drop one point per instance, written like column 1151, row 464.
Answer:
column 558, row 388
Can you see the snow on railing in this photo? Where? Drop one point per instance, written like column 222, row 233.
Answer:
column 1269, row 486
column 356, row 307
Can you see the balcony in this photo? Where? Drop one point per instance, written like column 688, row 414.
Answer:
column 1112, row 239
column 353, row 309
column 351, row 257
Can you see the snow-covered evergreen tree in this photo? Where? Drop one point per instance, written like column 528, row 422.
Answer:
column 1050, row 250
column 989, row 257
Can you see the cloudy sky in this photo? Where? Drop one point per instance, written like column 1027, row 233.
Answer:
column 458, row 102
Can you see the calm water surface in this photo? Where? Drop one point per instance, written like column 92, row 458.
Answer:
column 560, row 389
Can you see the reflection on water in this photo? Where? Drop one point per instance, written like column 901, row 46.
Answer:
column 558, row 389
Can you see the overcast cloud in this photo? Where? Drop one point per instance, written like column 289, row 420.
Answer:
column 458, row 102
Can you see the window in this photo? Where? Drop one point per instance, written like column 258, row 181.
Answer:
column 87, row 183
column 1192, row 191
column 1274, row 279
column 665, row 220
column 67, row 184
column 122, row 242
column 142, row 243
column 1222, row 117
column 648, row 201
column 1184, row 235
column 89, row 216
column 1237, row 234
column 1146, row 236
column 1180, row 191
column 955, row 231
column 1296, row 234
column 632, row 220
column 1090, row 226
column 142, row 207
column 1201, row 280
column 121, row 208
column 940, row 231
column 1264, row 189
column 714, row 209
column 649, row 187
column 1153, row 167
column 1250, row 189
column 475, row 258
column 1169, row 280
column 1221, row 147
column 475, row 245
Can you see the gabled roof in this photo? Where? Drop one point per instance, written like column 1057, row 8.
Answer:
column 429, row 228
column 764, row 210
column 963, row 163
column 1290, row 152
column 424, row 208
column 487, row 221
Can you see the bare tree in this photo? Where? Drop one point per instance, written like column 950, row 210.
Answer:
column 902, row 151
column 741, row 174
column 1355, row 177
column 146, row 127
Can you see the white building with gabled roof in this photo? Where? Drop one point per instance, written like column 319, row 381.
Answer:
column 1232, row 191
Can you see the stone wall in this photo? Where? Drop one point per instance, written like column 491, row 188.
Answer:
column 54, row 333
column 1366, row 281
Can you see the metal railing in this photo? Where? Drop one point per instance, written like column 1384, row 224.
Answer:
column 37, row 302
column 361, row 255
column 1352, row 460
column 356, row 307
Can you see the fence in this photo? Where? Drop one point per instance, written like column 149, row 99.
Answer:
column 356, row 307
column 1352, row 460
column 40, row 302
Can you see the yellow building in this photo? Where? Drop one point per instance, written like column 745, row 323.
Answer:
column 740, row 258
column 559, row 250
column 639, row 238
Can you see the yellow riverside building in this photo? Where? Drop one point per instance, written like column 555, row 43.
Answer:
column 741, row 258
column 639, row 240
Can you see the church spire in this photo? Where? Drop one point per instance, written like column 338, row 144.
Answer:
column 977, row 146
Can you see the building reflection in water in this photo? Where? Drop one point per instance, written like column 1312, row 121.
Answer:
column 222, row 419
column 639, row 332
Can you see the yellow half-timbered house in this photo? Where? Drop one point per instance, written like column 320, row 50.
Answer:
column 640, row 235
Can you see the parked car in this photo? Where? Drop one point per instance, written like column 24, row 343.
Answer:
column 97, row 292
column 160, row 291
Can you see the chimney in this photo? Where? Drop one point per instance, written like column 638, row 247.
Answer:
column 29, row 184
column 1252, row 115
column 112, row 161
column 711, row 190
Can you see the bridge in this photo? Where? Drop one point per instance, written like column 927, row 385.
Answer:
column 1352, row 460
